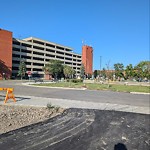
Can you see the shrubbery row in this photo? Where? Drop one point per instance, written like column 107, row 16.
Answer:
column 75, row 80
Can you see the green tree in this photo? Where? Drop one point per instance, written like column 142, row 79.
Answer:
column 129, row 71
column 143, row 70
column 119, row 69
column 55, row 68
column 68, row 71
column 95, row 73
column 22, row 69
column 82, row 71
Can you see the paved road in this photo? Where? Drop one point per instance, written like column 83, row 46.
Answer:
column 81, row 129
column 79, row 95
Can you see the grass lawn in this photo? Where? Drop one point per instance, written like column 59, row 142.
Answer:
column 96, row 86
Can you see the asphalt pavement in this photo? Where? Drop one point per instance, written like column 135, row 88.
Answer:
column 82, row 129
column 23, row 88
column 93, row 120
column 76, row 98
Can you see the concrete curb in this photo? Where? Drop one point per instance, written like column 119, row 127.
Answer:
column 27, row 84
column 140, row 93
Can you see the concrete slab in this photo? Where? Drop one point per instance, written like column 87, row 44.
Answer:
column 66, row 103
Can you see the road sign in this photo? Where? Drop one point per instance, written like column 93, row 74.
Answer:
column 29, row 73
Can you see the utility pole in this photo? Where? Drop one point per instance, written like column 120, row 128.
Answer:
column 100, row 62
column 100, row 65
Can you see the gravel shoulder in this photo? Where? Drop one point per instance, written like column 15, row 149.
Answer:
column 14, row 117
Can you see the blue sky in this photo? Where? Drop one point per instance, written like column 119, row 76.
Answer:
column 118, row 30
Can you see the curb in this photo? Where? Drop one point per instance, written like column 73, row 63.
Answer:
column 140, row 93
column 65, row 88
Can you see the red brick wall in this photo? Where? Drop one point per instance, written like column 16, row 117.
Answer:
column 87, row 59
column 5, row 53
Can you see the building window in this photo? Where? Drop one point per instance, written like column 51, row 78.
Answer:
column 38, row 64
column 38, row 42
column 25, row 51
column 68, row 54
column 59, row 57
column 58, row 47
column 38, row 53
column 37, row 47
column 16, row 49
column 25, row 57
column 37, row 58
column 26, row 45
column 15, row 62
column 16, row 42
column 59, row 52
column 15, row 55
column 50, row 45
column 28, row 63
column 49, row 55
column 50, row 50
column 68, row 58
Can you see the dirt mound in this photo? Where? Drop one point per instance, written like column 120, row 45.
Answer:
column 14, row 117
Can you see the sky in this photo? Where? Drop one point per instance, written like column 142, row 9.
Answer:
column 118, row 30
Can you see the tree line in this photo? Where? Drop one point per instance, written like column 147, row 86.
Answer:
column 57, row 70
column 139, row 72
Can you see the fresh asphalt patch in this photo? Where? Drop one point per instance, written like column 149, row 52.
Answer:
column 83, row 129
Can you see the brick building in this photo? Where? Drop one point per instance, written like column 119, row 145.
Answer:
column 5, row 54
column 36, row 53
column 87, row 59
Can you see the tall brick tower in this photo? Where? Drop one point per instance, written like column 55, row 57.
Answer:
column 87, row 59
column 5, row 54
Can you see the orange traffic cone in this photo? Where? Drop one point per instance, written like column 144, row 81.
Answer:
column 9, row 95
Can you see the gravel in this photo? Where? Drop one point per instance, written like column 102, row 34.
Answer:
column 14, row 117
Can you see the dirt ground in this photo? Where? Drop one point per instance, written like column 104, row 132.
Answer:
column 14, row 117
column 82, row 129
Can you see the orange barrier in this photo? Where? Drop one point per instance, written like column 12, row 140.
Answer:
column 9, row 94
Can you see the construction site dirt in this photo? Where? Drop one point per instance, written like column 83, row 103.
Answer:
column 82, row 129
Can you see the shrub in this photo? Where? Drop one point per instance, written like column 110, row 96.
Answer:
column 53, row 107
column 75, row 80
column 50, row 106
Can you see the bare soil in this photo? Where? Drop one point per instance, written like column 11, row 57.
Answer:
column 14, row 117
column 83, row 129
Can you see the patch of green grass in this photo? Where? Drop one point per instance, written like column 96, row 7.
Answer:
column 94, row 86
column 120, row 88
column 62, row 84
column 97, row 86
column 53, row 107
column 130, row 88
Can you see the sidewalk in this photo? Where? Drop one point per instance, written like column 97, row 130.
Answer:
column 66, row 103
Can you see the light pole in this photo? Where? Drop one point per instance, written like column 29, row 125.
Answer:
column 100, row 65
